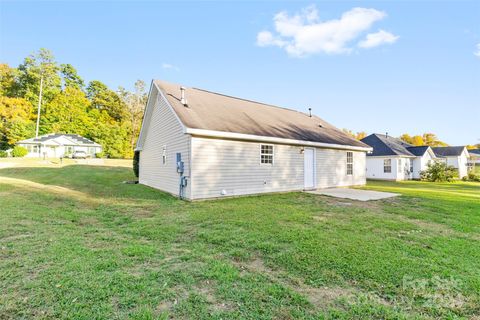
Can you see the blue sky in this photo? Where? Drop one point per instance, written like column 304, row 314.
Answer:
column 416, row 72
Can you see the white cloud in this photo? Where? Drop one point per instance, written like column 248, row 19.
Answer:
column 377, row 38
column 304, row 34
column 170, row 66
column 266, row 38
column 477, row 52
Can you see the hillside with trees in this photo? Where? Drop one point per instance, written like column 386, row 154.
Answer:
column 68, row 105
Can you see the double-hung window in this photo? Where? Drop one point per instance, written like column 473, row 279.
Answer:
column 387, row 166
column 399, row 165
column 349, row 163
column 266, row 154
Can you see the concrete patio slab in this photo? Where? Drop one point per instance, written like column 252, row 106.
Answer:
column 354, row 194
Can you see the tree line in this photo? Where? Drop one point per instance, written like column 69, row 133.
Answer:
column 109, row 117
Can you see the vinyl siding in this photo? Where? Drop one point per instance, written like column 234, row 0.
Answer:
column 164, row 129
column 375, row 168
column 332, row 168
column 420, row 164
column 459, row 162
column 234, row 167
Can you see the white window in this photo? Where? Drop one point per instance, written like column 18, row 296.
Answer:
column 164, row 155
column 32, row 148
column 349, row 163
column 68, row 149
column 266, row 154
column 399, row 165
column 411, row 165
column 387, row 166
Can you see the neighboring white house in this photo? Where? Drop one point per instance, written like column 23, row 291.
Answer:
column 474, row 157
column 200, row 144
column 454, row 156
column 56, row 145
column 394, row 159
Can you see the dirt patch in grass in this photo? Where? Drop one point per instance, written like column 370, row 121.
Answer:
column 319, row 297
column 325, row 297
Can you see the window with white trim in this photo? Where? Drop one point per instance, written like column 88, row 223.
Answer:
column 399, row 165
column 387, row 166
column 266, row 154
column 411, row 165
column 349, row 163
column 164, row 155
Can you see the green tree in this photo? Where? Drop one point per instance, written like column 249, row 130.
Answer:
column 102, row 98
column 32, row 70
column 70, row 77
column 67, row 112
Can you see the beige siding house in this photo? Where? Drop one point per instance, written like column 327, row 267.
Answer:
column 199, row 144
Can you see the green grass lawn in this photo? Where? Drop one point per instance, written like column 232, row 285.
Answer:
column 77, row 243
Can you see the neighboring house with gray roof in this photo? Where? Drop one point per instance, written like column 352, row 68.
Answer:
column 454, row 156
column 201, row 144
column 474, row 157
column 57, row 145
column 394, row 159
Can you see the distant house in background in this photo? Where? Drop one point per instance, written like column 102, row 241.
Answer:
column 56, row 145
column 474, row 157
column 454, row 156
column 394, row 159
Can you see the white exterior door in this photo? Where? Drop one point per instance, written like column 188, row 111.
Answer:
column 309, row 168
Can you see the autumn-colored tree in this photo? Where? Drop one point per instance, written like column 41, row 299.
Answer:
column 430, row 139
column 359, row 135
column 407, row 138
column 417, row 141
column 8, row 84
column 15, row 121
column 427, row 139
column 135, row 103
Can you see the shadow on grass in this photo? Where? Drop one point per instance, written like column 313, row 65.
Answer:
column 95, row 181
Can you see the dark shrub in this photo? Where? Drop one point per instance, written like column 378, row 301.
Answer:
column 438, row 172
column 136, row 162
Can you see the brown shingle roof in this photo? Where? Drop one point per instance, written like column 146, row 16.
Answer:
column 217, row 112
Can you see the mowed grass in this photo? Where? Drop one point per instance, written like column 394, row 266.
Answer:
column 77, row 243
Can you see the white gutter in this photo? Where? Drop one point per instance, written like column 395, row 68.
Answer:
column 252, row 137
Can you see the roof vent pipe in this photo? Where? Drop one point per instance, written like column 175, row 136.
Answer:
column 183, row 100
column 310, row 112
column 386, row 135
